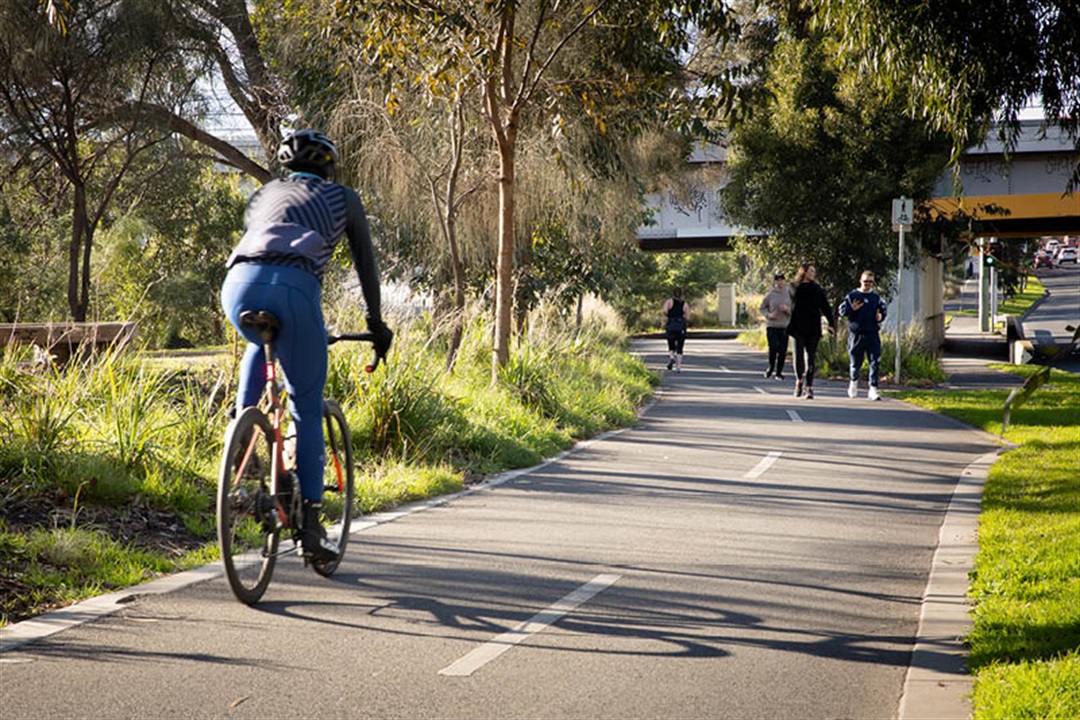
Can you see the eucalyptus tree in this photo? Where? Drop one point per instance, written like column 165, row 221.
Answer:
column 63, row 100
column 229, row 39
column 507, row 56
column 430, row 165
column 817, row 167
column 960, row 64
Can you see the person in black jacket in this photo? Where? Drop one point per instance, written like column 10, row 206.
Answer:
column 675, row 310
column 808, row 307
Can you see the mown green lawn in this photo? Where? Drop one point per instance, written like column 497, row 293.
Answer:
column 1025, row 587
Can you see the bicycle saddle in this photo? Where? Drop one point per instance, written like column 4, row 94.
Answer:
column 262, row 321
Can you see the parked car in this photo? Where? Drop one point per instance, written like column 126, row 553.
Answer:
column 1067, row 255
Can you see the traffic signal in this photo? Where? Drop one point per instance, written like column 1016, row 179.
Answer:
column 988, row 259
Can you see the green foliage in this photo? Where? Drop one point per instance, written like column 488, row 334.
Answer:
column 61, row 565
column 161, row 264
column 40, row 418
column 133, row 410
column 403, row 413
column 32, row 264
column 79, row 147
column 529, row 375
column 648, row 280
column 389, row 483
column 820, row 165
column 1032, row 689
column 952, row 71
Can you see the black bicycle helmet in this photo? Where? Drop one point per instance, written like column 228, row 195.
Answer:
column 308, row 151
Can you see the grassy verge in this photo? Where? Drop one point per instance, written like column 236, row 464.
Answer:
column 1019, row 303
column 108, row 469
column 1025, row 643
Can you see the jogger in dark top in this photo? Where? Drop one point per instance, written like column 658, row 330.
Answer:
column 675, row 310
column 808, row 307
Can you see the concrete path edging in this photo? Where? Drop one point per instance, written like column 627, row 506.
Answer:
column 938, row 685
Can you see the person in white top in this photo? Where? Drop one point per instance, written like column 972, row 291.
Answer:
column 776, row 308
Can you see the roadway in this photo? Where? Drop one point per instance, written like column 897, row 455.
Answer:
column 738, row 553
column 967, row 350
column 1059, row 308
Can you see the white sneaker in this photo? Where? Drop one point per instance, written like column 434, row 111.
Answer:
column 873, row 394
column 853, row 389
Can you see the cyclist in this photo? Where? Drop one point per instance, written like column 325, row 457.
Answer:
column 291, row 227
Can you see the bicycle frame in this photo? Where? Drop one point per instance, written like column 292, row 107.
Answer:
column 276, row 412
column 258, row 491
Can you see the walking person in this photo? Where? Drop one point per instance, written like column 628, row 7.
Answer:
column 776, row 307
column 675, row 310
column 865, row 312
column 809, row 305
column 291, row 228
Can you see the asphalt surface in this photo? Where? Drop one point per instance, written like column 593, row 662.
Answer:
column 968, row 351
column 739, row 553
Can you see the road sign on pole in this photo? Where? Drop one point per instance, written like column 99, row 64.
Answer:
column 903, row 213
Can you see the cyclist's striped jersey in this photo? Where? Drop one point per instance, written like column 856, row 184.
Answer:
column 299, row 220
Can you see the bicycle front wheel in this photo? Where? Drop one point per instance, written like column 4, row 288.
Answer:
column 338, row 496
column 248, row 528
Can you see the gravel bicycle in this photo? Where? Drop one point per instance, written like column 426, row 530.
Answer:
column 258, row 488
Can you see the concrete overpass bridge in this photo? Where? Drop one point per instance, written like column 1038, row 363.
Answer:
column 1022, row 196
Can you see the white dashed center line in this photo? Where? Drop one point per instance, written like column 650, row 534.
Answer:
column 765, row 464
column 498, row 645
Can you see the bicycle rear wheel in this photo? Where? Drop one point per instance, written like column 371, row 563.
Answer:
column 338, row 496
column 248, row 530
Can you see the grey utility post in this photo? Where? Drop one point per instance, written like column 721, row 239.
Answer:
column 985, row 274
column 903, row 211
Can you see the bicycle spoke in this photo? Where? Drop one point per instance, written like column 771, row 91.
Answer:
column 338, row 489
column 247, row 524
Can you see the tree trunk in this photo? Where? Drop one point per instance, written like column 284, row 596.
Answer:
column 459, row 290
column 457, row 126
column 503, row 115
column 76, row 302
column 504, row 272
column 84, row 284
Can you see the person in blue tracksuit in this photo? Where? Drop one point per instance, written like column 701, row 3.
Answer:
column 865, row 312
column 291, row 227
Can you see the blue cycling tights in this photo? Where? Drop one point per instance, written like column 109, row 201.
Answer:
column 295, row 297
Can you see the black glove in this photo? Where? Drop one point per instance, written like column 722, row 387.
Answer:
column 384, row 336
